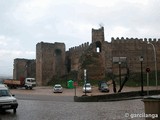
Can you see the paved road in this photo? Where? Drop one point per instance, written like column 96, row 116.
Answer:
column 42, row 104
column 45, row 107
column 45, row 98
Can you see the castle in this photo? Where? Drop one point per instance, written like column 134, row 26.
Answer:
column 99, row 57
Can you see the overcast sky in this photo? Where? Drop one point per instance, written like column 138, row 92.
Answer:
column 24, row 23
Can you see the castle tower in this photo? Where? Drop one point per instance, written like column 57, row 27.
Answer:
column 94, row 58
column 98, row 35
column 98, row 38
column 50, row 61
column 24, row 68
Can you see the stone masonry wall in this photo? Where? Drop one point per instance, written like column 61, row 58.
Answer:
column 74, row 55
column 133, row 48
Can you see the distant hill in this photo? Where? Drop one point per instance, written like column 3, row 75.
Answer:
column 2, row 77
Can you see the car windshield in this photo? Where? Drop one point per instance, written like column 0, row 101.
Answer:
column 87, row 85
column 57, row 86
column 31, row 80
column 4, row 93
column 104, row 85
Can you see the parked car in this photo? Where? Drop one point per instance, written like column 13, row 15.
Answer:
column 87, row 88
column 7, row 101
column 103, row 87
column 3, row 85
column 57, row 88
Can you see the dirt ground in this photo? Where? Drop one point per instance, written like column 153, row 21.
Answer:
column 45, row 90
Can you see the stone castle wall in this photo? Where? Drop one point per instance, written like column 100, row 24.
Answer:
column 98, row 57
column 133, row 48
column 52, row 58
column 74, row 54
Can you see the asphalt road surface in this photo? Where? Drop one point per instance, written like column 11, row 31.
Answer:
column 46, row 107
column 42, row 104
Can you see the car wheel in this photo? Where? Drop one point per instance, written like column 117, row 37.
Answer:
column 14, row 110
column 2, row 111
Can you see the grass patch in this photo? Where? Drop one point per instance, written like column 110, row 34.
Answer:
column 134, row 80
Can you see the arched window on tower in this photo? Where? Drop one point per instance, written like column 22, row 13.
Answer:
column 58, row 52
column 98, row 47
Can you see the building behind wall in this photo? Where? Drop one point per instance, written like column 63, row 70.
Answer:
column 24, row 68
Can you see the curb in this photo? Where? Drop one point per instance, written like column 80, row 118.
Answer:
column 115, row 97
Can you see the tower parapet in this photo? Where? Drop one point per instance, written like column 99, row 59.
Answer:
column 98, row 35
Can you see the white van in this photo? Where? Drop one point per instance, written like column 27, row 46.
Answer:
column 7, row 101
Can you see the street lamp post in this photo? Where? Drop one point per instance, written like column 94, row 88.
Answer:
column 141, row 60
column 119, row 73
column 155, row 58
column 85, row 79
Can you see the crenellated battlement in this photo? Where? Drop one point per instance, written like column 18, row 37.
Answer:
column 79, row 48
column 133, row 40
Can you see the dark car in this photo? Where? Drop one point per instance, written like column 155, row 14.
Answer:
column 103, row 87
